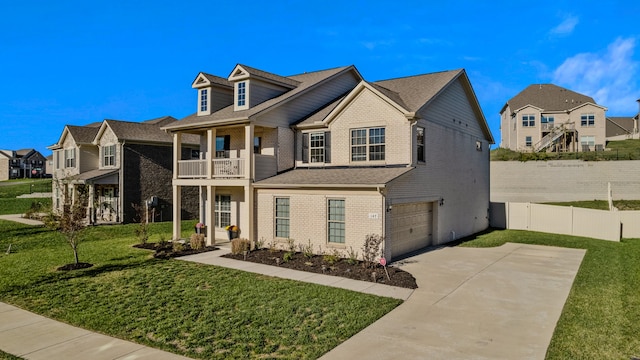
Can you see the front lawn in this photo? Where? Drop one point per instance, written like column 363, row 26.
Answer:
column 9, row 204
column 192, row 309
column 601, row 318
column 601, row 204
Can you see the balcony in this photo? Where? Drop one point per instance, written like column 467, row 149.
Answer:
column 221, row 169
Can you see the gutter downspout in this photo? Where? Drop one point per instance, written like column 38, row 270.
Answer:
column 382, row 191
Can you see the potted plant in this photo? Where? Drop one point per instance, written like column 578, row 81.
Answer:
column 233, row 231
column 201, row 229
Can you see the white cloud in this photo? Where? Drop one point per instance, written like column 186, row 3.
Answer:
column 371, row 45
column 566, row 26
column 609, row 77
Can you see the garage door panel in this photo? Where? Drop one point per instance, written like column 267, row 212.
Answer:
column 411, row 227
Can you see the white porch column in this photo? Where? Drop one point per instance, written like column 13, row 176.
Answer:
column 211, row 226
column 177, row 153
column 92, row 219
column 248, row 146
column 211, row 151
column 177, row 211
column 248, row 220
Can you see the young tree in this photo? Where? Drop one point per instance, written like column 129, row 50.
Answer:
column 72, row 221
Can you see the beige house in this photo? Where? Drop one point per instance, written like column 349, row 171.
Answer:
column 328, row 158
column 118, row 163
column 546, row 117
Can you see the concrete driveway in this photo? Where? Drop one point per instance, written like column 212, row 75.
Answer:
column 492, row 303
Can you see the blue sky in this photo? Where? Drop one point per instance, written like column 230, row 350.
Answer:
column 77, row 62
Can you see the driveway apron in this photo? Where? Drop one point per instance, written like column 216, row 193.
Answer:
column 490, row 303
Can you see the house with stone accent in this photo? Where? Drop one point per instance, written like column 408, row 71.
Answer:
column 118, row 163
column 328, row 157
column 547, row 117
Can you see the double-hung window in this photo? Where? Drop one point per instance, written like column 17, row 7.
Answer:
column 282, row 219
column 368, row 144
column 588, row 140
column 420, row 144
column 528, row 120
column 335, row 221
column 587, row 120
column 204, row 100
column 527, row 141
column 70, row 158
column 316, row 146
column 222, row 210
column 242, row 93
column 109, row 155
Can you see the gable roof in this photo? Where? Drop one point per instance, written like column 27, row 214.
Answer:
column 164, row 120
column 307, row 81
column 81, row 134
column 619, row 126
column 140, row 132
column 263, row 75
column 334, row 177
column 212, row 80
column 548, row 97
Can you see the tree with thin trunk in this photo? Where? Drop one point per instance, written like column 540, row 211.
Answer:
column 72, row 221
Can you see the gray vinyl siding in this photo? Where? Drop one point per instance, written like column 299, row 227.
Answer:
column 453, row 171
column 260, row 92
column 306, row 104
column 87, row 157
column 453, row 109
column 285, row 152
column 219, row 99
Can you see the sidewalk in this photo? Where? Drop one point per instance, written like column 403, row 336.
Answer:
column 36, row 337
column 20, row 219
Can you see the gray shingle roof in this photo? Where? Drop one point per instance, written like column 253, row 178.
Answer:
column 364, row 176
column 145, row 132
column 415, row 91
column 306, row 81
column 619, row 126
column 253, row 72
column 164, row 120
column 548, row 97
column 82, row 134
column 94, row 174
column 218, row 80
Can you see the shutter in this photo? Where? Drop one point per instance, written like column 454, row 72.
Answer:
column 305, row 148
column 327, row 147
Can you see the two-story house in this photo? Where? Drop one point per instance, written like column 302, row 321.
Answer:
column 546, row 117
column 23, row 163
column 118, row 163
column 327, row 157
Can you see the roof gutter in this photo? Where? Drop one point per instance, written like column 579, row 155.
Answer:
column 316, row 186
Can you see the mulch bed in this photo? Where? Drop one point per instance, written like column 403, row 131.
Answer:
column 342, row 267
column 166, row 250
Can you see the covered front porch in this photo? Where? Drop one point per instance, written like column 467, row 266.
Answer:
column 105, row 203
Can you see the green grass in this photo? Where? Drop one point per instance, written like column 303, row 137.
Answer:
column 7, row 356
column 12, row 188
column 601, row 318
column 601, row 204
column 619, row 150
column 192, row 309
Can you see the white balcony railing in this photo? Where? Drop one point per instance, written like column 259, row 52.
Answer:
column 222, row 168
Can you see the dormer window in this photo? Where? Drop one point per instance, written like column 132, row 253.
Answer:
column 204, row 100
column 242, row 93
column 109, row 155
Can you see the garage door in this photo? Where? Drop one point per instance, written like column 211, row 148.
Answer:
column 411, row 227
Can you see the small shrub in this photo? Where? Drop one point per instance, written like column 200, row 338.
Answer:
column 287, row 256
column 331, row 257
column 371, row 249
column 35, row 210
column 197, row 241
column 259, row 244
column 352, row 256
column 162, row 239
column 307, row 250
column 291, row 245
column 272, row 246
column 239, row 246
column 177, row 246
column 142, row 230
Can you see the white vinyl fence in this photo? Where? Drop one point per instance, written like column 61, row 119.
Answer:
column 598, row 224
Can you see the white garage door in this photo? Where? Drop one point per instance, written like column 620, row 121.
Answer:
column 411, row 226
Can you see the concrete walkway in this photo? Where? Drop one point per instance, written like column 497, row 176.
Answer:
column 494, row 303
column 35, row 337
column 20, row 219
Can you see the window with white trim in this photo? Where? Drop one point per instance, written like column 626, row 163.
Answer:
column 588, row 140
column 527, row 141
column 70, row 158
column 420, row 144
column 316, row 147
column 368, row 144
column 528, row 120
column 58, row 160
column 222, row 211
column 335, row 221
column 548, row 119
column 109, row 155
column 204, row 100
column 587, row 120
column 242, row 93
column 281, row 218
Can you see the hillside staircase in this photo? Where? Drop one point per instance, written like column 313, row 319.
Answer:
column 552, row 137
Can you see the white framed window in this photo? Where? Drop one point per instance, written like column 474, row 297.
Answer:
column 109, row 155
column 316, row 147
column 528, row 120
column 222, row 211
column 204, row 100
column 336, row 221
column 527, row 141
column 282, row 217
column 588, row 140
column 368, row 144
column 548, row 119
column 58, row 160
column 242, row 93
column 587, row 120
column 70, row 158
column 420, row 144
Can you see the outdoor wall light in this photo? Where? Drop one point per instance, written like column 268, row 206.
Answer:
column 441, row 201
column 389, row 208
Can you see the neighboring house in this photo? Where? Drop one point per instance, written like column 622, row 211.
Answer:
column 623, row 128
column 119, row 163
column 49, row 169
column 546, row 117
column 24, row 163
column 326, row 157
